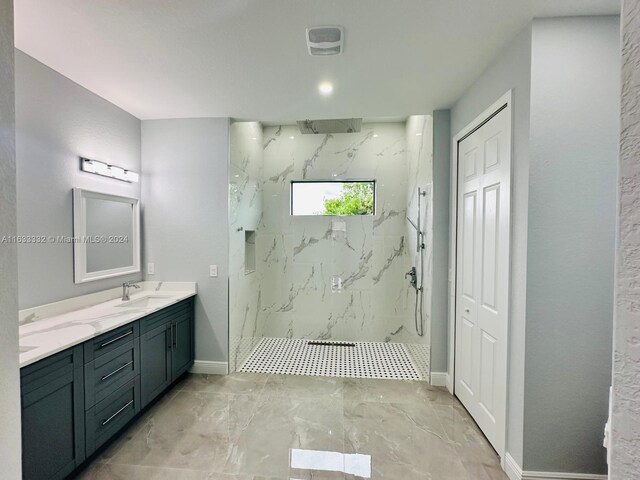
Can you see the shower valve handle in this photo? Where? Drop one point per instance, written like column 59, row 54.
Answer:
column 412, row 275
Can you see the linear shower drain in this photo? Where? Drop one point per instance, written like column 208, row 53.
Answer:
column 331, row 344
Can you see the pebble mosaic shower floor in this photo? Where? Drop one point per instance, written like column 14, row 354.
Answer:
column 339, row 359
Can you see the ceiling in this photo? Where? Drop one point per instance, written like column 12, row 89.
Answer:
column 248, row 59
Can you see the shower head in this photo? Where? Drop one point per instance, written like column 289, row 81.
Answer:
column 339, row 125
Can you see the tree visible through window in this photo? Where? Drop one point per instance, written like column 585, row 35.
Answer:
column 356, row 199
column 332, row 198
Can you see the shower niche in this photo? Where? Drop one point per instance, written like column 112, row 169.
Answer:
column 249, row 252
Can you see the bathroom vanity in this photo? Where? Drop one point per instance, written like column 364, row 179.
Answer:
column 90, row 365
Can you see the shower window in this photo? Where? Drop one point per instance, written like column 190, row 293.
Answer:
column 333, row 197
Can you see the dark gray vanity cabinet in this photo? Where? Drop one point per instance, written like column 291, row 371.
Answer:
column 166, row 348
column 77, row 400
column 53, row 430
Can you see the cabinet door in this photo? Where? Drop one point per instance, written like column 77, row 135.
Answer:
column 155, row 362
column 182, row 333
column 52, row 416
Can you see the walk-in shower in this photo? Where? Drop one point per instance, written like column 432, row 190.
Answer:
column 322, row 291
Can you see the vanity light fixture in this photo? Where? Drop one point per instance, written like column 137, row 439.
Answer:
column 106, row 170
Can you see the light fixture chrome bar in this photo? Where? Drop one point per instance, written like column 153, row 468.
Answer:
column 106, row 170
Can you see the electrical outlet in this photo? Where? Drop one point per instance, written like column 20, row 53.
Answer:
column 151, row 268
column 213, row 270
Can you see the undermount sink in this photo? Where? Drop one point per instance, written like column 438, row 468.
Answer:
column 148, row 301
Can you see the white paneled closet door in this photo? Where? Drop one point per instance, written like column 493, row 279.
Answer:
column 482, row 273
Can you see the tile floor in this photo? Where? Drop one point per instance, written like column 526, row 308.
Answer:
column 243, row 427
column 293, row 356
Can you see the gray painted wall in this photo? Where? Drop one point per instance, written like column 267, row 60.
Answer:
column 575, row 78
column 510, row 70
column 184, row 217
column 10, row 451
column 441, row 194
column 625, row 461
column 564, row 70
column 57, row 121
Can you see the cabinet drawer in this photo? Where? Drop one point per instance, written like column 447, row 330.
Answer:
column 110, row 341
column 165, row 315
column 110, row 415
column 109, row 372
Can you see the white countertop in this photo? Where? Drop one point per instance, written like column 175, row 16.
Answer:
column 51, row 328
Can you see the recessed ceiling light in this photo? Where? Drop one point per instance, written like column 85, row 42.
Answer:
column 291, row 138
column 325, row 88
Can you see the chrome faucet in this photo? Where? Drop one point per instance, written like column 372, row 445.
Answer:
column 125, row 290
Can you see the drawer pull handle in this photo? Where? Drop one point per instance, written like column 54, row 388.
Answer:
column 117, row 413
column 102, row 345
column 175, row 338
column 116, row 371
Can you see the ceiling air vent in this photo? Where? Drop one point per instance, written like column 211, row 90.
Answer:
column 325, row 40
column 338, row 125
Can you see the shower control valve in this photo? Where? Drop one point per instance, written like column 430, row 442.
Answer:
column 412, row 275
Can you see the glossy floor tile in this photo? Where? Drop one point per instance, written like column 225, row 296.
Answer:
column 280, row 427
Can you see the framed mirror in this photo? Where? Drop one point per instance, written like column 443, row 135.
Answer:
column 106, row 231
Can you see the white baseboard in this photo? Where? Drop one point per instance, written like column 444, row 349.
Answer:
column 529, row 475
column 210, row 368
column 514, row 472
column 439, row 379
column 511, row 467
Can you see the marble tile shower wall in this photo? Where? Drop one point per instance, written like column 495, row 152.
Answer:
column 245, row 210
column 299, row 255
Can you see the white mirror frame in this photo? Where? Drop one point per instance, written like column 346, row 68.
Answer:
column 81, row 275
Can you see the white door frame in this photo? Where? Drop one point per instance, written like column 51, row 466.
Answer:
column 506, row 99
